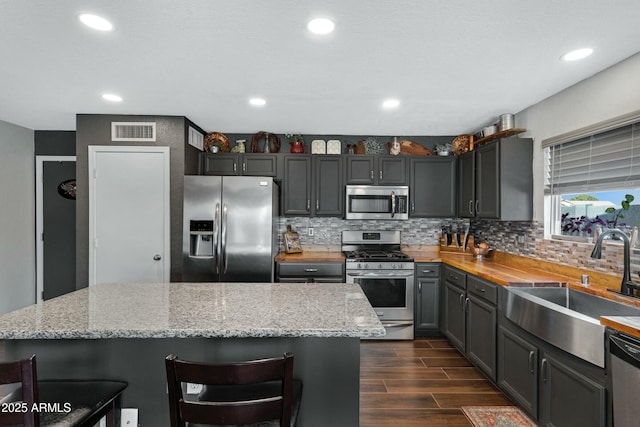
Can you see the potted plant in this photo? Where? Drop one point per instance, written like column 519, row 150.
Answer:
column 625, row 205
column 297, row 142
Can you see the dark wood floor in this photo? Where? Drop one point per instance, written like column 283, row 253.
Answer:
column 420, row 383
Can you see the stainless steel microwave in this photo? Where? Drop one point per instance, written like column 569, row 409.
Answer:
column 377, row 202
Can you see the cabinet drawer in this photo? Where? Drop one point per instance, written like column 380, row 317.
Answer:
column 427, row 270
column 304, row 269
column 483, row 289
column 455, row 276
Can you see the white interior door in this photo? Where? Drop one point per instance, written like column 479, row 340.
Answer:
column 128, row 214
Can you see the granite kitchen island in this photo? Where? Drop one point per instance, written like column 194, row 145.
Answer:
column 124, row 331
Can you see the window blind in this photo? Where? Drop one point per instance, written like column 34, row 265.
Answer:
column 608, row 160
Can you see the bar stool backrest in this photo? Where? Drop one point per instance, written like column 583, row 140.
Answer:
column 236, row 381
column 23, row 372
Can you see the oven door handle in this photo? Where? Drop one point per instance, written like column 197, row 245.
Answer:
column 399, row 275
column 397, row 324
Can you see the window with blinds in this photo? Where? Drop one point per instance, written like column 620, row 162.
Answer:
column 588, row 173
column 605, row 161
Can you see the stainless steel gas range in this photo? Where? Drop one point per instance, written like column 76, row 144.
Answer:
column 385, row 274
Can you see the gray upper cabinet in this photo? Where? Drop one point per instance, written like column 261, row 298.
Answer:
column 296, row 188
column 376, row 170
column 240, row 164
column 432, row 186
column 328, row 186
column 495, row 181
column 313, row 185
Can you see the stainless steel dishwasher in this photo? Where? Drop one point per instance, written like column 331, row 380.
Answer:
column 625, row 379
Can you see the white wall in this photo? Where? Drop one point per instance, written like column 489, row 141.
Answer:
column 17, row 217
column 610, row 93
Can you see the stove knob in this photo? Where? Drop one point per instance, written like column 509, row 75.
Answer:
column 366, row 266
column 380, row 266
column 359, row 266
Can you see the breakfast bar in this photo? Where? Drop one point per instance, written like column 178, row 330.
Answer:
column 124, row 331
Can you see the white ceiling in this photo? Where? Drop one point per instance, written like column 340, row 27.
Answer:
column 455, row 65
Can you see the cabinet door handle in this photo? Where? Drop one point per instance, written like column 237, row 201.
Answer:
column 466, row 304
column 244, row 166
column 461, row 300
column 372, row 174
column 311, row 270
column 235, row 167
column 482, row 290
column 531, row 361
column 380, row 174
column 471, row 207
column 317, row 205
column 477, row 206
column 419, row 286
column 308, row 204
column 427, row 271
column 543, row 370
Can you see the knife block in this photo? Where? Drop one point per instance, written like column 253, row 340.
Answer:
column 453, row 248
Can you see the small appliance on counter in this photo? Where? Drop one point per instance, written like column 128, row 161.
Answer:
column 228, row 229
column 375, row 261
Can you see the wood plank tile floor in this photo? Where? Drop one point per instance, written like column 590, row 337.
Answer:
column 423, row 382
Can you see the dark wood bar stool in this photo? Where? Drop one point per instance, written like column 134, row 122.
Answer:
column 257, row 392
column 56, row 402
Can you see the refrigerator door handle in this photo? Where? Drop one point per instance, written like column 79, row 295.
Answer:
column 224, row 238
column 216, row 238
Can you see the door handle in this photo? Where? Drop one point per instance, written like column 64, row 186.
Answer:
column 157, row 257
column 224, row 237
column 471, row 207
column 531, row 361
column 477, row 206
column 543, row 369
column 216, row 241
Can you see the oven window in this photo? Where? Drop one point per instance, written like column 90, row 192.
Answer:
column 369, row 204
column 385, row 292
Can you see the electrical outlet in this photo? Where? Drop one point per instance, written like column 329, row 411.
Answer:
column 310, row 230
column 129, row 417
column 520, row 239
column 193, row 388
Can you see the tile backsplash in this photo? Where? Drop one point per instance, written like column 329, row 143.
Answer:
column 524, row 238
column 328, row 231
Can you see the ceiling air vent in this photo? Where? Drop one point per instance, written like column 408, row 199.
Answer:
column 133, row 131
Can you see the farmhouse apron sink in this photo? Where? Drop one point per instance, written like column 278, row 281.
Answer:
column 566, row 318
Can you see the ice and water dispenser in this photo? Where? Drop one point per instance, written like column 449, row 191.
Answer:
column 202, row 239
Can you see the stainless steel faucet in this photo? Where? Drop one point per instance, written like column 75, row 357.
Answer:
column 627, row 287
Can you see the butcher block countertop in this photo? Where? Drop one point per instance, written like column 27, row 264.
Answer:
column 205, row 310
column 513, row 270
column 310, row 256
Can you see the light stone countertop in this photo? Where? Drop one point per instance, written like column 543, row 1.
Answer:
column 185, row 310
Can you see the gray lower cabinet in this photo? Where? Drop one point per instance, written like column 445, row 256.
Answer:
column 453, row 294
column 427, row 308
column 239, row 164
column 432, row 186
column 308, row 272
column 554, row 389
column 471, row 317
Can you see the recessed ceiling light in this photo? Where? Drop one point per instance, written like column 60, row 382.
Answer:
column 111, row 97
column 96, row 22
column 321, row 26
column 258, row 102
column 389, row 104
column 574, row 55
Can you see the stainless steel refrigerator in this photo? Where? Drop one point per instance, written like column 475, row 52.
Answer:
column 230, row 230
